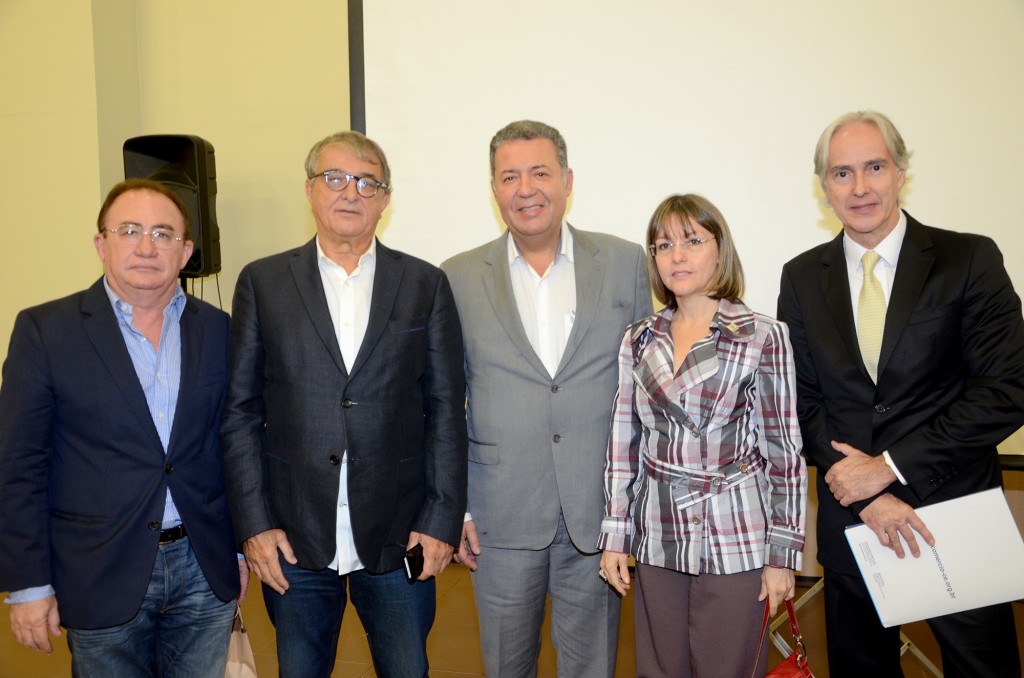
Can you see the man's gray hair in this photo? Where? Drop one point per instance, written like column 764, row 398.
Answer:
column 890, row 136
column 362, row 147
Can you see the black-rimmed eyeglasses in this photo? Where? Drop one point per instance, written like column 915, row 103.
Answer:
column 338, row 181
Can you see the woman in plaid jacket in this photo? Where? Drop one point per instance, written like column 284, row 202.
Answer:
column 704, row 480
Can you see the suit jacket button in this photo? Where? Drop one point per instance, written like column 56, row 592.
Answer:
column 555, row 388
column 335, row 459
column 881, row 409
column 557, row 438
column 169, row 468
column 154, row 525
column 346, row 403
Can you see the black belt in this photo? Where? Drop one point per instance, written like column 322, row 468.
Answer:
column 172, row 535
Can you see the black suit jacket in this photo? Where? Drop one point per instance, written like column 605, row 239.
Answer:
column 83, row 474
column 950, row 373
column 294, row 408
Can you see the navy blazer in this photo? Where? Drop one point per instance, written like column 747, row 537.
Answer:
column 294, row 408
column 950, row 372
column 83, row 474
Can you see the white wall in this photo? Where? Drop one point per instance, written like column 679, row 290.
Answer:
column 723, row 98
column 726, row 99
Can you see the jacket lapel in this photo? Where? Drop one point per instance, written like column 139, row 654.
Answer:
column 836, row 284
column 306, row 273
column 191, row 357
column 589, row 271
column 387, row 280
column 101, row 327
column 498, row 287
column 653, row 364
column 915, row 263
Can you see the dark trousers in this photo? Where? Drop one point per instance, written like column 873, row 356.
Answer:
column 396, row 616
column 697, row 626
column 979, row 643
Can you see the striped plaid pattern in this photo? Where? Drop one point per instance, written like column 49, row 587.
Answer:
column 704, row 471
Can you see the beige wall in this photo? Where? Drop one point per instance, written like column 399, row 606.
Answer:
column 49, row 173
column 261, row 81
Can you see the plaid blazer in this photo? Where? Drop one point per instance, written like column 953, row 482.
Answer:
column 704, row 472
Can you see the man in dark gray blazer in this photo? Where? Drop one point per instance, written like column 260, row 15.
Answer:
column 543, row 310
column 909, row 414
column 344, row 430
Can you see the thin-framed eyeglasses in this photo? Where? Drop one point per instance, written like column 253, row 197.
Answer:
column 665, row 248
column 161, row 237
column 338, row 181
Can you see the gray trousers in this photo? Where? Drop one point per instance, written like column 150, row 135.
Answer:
column 511, row 587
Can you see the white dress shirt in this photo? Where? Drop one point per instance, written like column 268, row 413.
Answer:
column 546, row 303
column 348, row 299
column 885, row 270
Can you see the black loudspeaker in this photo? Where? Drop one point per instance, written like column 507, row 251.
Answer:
column 184, row 164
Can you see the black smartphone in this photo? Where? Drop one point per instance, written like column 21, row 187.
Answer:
column 414, row 563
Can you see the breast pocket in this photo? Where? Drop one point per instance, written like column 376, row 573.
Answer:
column 935, row 329
column 405, row 342
column 406, row 325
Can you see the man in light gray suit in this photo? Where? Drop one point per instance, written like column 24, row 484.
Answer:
column 543, row 310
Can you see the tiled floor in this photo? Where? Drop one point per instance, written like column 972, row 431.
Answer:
column 454, row 647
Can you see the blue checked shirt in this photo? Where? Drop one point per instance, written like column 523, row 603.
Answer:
column 159, row 372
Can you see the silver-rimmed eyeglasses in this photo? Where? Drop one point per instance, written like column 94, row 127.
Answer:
column 338, row 181
column 161, row 237
column 665, row 248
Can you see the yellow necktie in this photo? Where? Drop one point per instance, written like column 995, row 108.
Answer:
column 870, row 315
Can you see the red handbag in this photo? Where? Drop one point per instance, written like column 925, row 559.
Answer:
column 793, row 666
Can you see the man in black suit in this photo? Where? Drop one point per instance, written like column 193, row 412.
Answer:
column 113, row 521
column 909, row 347
column 345, row 425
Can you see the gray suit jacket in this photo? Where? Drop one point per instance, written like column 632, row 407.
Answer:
column 537, row 443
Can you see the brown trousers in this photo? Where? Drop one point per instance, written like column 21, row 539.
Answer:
column 697, row 626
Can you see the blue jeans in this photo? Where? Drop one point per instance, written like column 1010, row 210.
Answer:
column 182, row 628
column 396, row 616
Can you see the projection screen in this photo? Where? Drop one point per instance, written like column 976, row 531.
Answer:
column 725, row 99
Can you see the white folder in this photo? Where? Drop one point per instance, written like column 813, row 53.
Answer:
column 977, row 560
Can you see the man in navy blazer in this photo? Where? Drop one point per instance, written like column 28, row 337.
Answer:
column 915, row 420
column 113, row 520
column 345, row 425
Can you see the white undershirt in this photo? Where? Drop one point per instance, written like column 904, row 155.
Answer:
column 546, row 303
column 348, row 300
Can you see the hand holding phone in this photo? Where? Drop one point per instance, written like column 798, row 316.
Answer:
column 414, row 563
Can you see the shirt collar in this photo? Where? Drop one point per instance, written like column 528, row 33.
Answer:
column 733, row 319
column 121, row 307
column 888, row 250
column 370, row 255
column 564, row 246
